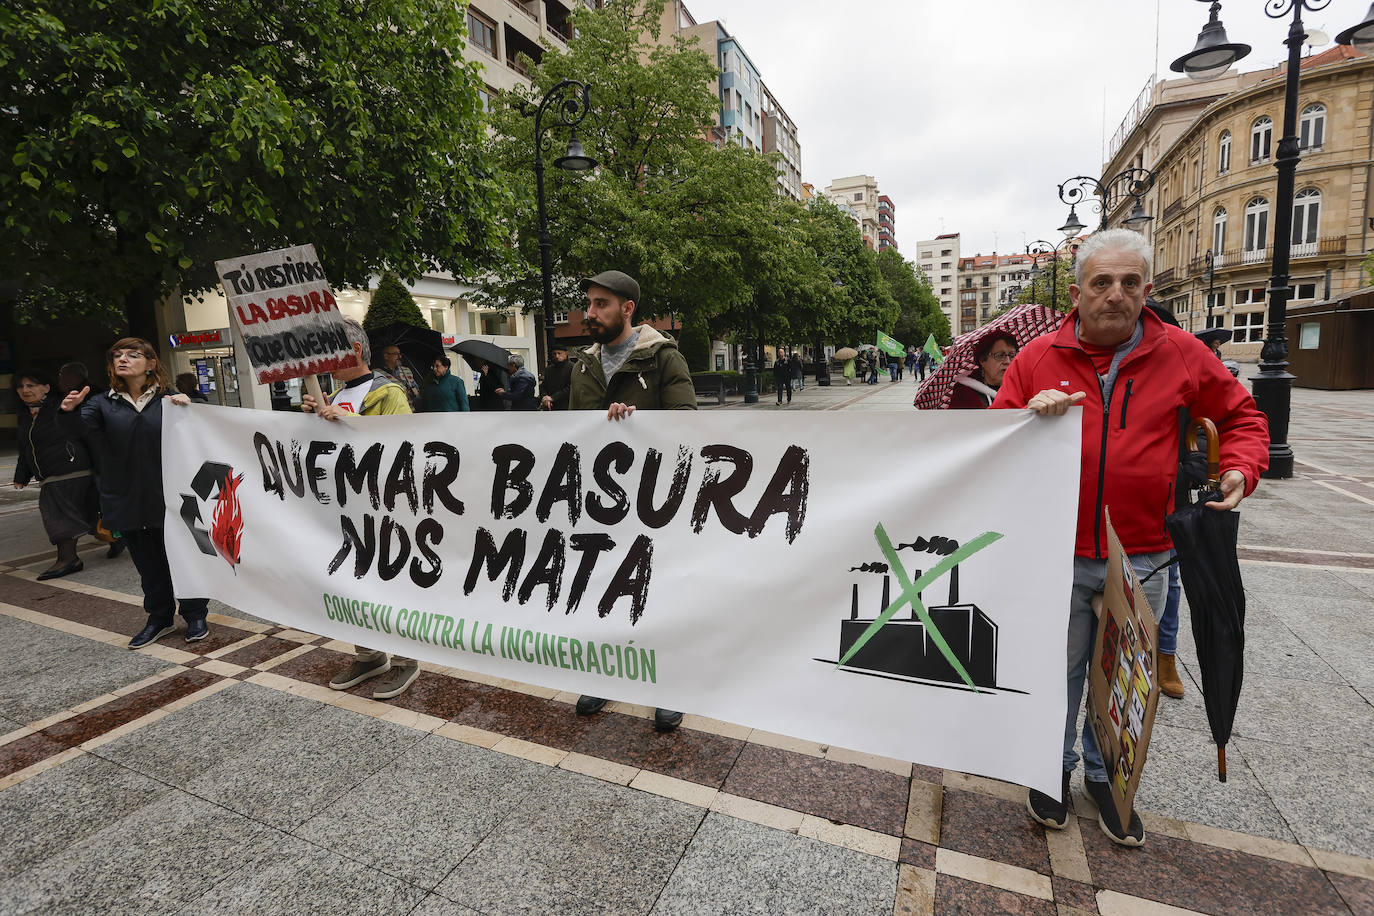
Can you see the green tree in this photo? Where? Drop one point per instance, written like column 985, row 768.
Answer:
column 695, row 344
column 859, row 302
column 392, row 304
column 1042, row 289
column 919, row 313
column 664, row 206
column 143, row 141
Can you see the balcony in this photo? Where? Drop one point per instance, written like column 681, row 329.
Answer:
column 1174, row 209
column 1327, row 247
column 522, row 8
column 563, row 39
column 1164, row 276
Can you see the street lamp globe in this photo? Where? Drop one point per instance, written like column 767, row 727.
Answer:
column 576, row 159
column 1361, row 36
column 1138, row 219
column 1213, row 54
column 1072, row 226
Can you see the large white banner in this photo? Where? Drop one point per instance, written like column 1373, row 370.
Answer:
column 896, row 583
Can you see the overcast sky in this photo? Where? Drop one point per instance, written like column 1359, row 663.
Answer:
column 969, row 113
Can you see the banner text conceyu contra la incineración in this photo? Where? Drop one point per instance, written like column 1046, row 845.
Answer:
column 407, row 501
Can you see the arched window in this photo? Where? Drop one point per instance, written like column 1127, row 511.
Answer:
column 1219, row 231
column 1224, row 153
column 1307, row 208
column 1261, row 135
column 1312, row 127
column 1256, row 228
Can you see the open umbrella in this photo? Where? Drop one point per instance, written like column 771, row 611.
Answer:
column 1214, row 335
column 1025, row 322
column 1205, row 540
column 844, row 353
column 477, row 352
column 418, row 346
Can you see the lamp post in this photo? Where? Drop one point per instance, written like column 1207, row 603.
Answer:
column 1134, row 181
column 1039, row 247
column 1211, row 279
column 1212, row 56
column 570, row 101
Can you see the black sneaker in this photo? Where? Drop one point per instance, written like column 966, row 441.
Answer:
column 665, row 720
column 150, row 634
column 196, row 630
column 1101, row 794
column 587, row 706
column 1051, row 812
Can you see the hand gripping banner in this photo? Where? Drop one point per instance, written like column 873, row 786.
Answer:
column 895, row 583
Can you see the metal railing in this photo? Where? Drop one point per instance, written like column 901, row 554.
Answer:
column 1174, row 209
column 557, row 34
column 1324, row 247
column 521, row 7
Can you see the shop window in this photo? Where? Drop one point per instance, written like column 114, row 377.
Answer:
column 1309, row 335
column 1248, row 328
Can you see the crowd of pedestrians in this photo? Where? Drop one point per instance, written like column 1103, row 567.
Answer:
column 98, row 455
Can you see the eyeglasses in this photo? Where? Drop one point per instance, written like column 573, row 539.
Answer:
column 1003, row 356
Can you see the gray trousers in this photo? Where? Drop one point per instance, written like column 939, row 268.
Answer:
column 1089, row 578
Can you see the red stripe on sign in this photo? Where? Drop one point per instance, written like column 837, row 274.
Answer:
column 301, row 370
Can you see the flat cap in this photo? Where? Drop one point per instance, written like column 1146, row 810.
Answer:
column 618, row 282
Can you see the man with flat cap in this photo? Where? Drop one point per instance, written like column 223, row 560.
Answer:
column 628, row 368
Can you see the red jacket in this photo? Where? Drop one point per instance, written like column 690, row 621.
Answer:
column 1130, row 448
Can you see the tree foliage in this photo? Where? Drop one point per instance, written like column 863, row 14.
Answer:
column 1045, row 290
column 919, row 313
column 392, row 304
column 143, row 141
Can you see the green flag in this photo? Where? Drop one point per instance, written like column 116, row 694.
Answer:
column 933, row 350
column 890, row 346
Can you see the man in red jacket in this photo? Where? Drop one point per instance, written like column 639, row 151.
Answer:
column 1131, row 373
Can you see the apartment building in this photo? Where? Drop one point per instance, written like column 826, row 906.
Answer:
column 860, row 194
column 1216, row 185
column 988, row 284
column 780, row 136
column 499, row 31
column 887, row 222
column 938, row 259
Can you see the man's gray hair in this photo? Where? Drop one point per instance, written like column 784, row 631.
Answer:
column 1127, row 240
column 517, row 361
column 357, row 335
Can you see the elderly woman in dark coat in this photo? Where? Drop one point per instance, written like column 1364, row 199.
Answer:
column 58, row 459
column 124, row 427
column 976, row 390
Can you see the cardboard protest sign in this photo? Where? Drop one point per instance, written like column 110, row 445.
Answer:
column 286, row 314
column 725, row 563
column 1123, row 683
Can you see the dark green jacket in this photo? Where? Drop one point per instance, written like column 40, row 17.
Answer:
column 654, row 377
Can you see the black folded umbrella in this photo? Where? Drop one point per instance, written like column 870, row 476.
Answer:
column 1205, row 540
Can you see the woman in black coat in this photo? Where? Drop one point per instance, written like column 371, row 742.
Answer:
column 51, row 454
column 124, row 428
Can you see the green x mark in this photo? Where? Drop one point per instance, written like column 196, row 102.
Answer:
column 911, row 594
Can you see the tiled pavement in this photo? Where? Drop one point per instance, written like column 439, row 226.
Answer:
column 224, row 777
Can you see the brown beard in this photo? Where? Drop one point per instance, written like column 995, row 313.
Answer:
column 603, row 333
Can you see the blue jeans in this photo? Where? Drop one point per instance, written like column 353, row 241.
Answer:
column 1168, row 621
column 1089, row 578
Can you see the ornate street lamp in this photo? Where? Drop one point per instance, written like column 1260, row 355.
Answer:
column 1135, row 182
column 1273, row 385
column 570, row 101
column 1039, row 247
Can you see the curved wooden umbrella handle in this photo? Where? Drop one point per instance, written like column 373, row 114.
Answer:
column 1209, row 431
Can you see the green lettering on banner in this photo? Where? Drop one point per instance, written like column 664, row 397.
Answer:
column 563, row 652
column 648, row 664
column 575, row 652
column 593, row 662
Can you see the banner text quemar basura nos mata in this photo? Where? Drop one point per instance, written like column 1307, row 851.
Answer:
column 397, row 500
